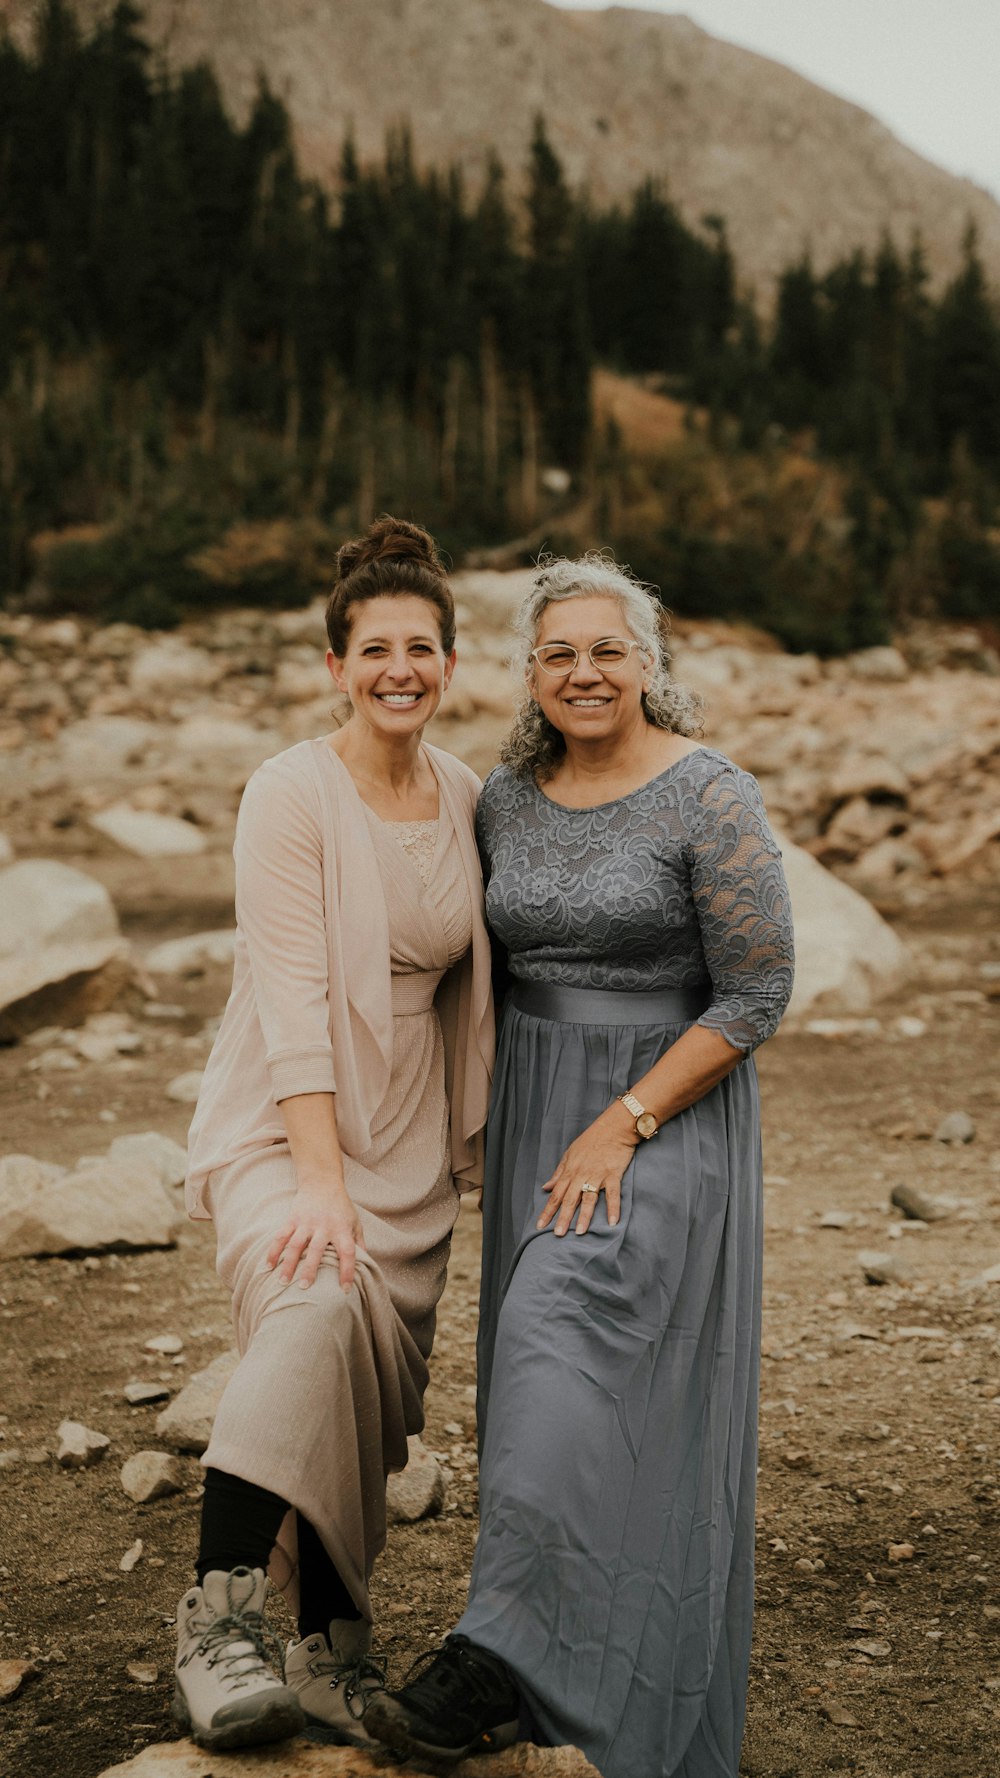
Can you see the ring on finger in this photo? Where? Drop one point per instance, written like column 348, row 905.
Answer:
column 592, row 1189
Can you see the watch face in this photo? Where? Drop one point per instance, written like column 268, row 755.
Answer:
column 646, row 1124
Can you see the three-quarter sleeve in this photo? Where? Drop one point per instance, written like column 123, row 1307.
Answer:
column 743, row 908
column 280, row 914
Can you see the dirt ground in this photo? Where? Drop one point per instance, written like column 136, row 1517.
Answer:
column 881, row 1404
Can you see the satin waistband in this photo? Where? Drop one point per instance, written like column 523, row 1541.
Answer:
column 610, row 1006
column 414, row 993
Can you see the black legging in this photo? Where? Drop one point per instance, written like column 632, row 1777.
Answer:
column 239, row 1523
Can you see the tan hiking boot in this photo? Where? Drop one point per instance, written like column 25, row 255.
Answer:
column 334, row 1681
column 226, row 1694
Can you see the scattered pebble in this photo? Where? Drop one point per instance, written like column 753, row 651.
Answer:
column 956, row 1127
column 140, row 1394
column 881, row 1268
column 131, row 1557
column 143, row 1672
column 839, row 1714
column 184, row 1088
column 921, row 1206
column 167, row 1344
column 900, row 1552
column 12, row 1676
column 911, row 1027
column 150, row 1475
column 79, row 1447
column 836, row 1219
column 873, row 1646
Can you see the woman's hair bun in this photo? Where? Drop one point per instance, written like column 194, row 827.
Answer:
column 387, row 540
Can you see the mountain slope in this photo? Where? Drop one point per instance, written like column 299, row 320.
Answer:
column 624, row 94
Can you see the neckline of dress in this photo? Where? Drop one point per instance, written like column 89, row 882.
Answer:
column 323, row 741
column 591, row 808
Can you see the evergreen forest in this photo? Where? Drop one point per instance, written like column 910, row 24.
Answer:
column 212, row 370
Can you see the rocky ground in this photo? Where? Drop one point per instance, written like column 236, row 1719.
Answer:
column 878, row 1629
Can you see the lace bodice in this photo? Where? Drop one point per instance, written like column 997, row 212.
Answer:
column 676, row 885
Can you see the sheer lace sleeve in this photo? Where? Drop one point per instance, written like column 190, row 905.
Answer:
column 744, row 914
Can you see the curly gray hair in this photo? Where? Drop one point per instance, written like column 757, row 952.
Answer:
column 533, row 747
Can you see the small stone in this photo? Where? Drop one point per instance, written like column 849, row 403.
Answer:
column 804, row 1566
column 140, row 1395
column 838, row 1714
column 779, row 1546
column 418, row 1492
column 911, row 1027
column 797, row 1459
column 79, row 1447
column 900, row 1552
column 143, row 1672
column 131, row 1557
column 187, row 1422
column 921, row 1206
column 881, row 1268
column 838, row 1028
column 184, row 1088
column 168, row 1344
column 956, row 1127
column 12, row 1676
column 836, row 1219
column 873, row 1646
column 149, row 1475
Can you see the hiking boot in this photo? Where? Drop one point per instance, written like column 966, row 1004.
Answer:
column 335, row 1681
column 459, row 1701
column 226, row 1694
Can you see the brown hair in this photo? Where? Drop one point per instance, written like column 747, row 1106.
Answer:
column 393, row 556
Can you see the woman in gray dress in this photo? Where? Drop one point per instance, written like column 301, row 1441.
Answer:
column 638, row 892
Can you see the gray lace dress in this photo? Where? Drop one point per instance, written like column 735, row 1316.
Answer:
column 618, row 1370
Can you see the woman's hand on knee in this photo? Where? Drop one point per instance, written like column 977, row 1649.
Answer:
column 317, row 1220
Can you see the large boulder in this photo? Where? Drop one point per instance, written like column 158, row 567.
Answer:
column 62, row 956
column 846, row 955
column 111, row 1202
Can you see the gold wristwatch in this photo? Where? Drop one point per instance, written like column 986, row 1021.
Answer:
column 645, row 1123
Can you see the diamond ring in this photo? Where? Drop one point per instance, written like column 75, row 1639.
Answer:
column 590, row 1188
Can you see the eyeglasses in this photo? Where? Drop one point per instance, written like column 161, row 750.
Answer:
column 558, row 659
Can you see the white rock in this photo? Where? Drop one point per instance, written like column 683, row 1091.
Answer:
column 151, row 1474
column 418, row 1491
column 167, row 1156
column 884, row 664
column 95, row 1046
column 106, row 749
column 170, row 666
column 139, row 1395
column 79, row 1447
column 956, row 1127
column 146, row 834
column 187, row 1422
column 907, row 1026
column 834, row 1028
column 192, row 956
column 168, row 1344
column 210, row 744
column 104, row 1203
column 184, row 1088
column 45, row 903
column 846, row 955
column 132, row 1555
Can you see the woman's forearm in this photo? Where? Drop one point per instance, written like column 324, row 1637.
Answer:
column 311, row 1122
column 685, row 1072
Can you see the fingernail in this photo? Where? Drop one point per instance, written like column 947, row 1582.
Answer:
column 303, row 1283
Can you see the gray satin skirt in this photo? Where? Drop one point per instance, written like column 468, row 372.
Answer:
column 618, row 1377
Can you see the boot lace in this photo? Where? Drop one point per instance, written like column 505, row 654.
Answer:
column 359, row 1679
column 221, row 1644
column 453, row 1676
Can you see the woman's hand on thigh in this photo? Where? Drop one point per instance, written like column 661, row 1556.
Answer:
column 317, row 1220
column 598, row 1158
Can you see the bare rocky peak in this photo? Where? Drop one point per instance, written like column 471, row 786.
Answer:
column 624, row 94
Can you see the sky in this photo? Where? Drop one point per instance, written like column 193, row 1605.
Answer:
column 930, row 69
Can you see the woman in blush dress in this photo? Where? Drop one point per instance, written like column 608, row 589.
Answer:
column 637, row 888
column 342, row 1104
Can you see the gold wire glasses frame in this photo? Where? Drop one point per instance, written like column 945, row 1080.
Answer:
column 558, row 659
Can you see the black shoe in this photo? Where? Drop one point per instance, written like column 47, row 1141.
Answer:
column 464, row 1701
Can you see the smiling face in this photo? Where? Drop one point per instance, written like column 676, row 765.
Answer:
column 395, row 670
column 588, row 703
